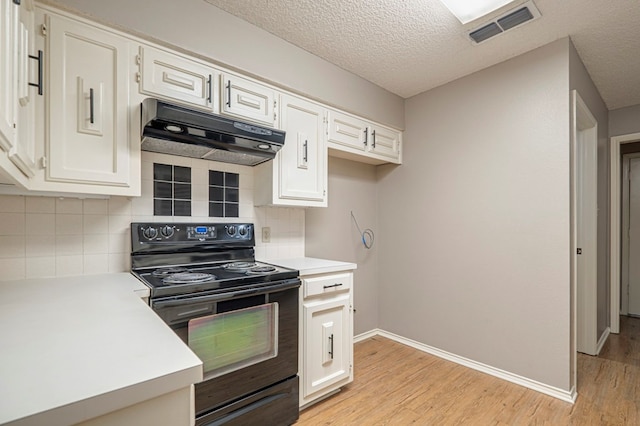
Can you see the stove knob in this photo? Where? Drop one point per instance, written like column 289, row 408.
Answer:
column 231, row 230
column 242, row 230
column 167, row 231
column 150, row 233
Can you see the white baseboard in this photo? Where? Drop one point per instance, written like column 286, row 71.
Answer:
column 603, row 340
column 568, row 396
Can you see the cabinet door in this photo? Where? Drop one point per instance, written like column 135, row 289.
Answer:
column 23, row 153
column 87, row 105
column 348, row 131
column 8, row 62
column 246, row 99
column 327, row 344
column 172, row 77
column 385, row 142
column 302, row 162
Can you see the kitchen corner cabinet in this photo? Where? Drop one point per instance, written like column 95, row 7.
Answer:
column 246, row 99
column 361, row 140
column 88, row 122
column 326, row 335
column 17, row 97
column 298, row 174
column 176, row 78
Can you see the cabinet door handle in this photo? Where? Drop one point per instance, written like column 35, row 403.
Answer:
column 305, row 147
column 331, row 346
column 229, row 94
column 91, row 105
column 332, row 285
column 210, row 82
column 366, row 136
column 40, row 76
column 373, row 145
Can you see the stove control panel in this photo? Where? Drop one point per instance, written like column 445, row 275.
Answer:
column 167, row 234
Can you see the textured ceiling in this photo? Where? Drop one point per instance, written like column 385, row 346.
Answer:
column 409, row 46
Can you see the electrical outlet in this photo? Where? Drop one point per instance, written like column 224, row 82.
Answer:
column 266, row 234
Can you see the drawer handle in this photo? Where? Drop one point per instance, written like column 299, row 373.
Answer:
column 91, row 105
column 210, row 82
column 374, row 139
column 331, row 346
column 306, row 151
column 229, row 94
column 332, row 286
column 40, row 64
column 366, row 136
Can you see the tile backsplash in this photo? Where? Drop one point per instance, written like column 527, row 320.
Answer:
column 47, row 236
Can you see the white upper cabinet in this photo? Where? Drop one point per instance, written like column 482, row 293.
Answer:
column 249, row 100
column 87, row 109
column 175, row 78
column 362, row 140
column 298, row 174
column 348, row 131
column 9, row 12
column 23, row 152
column 17, row 128
column 384, row 142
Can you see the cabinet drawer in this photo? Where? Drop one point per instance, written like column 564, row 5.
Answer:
column 172, row 77
column 327, row 284
column 247, row 99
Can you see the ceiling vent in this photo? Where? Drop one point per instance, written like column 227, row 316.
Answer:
column 524, row 13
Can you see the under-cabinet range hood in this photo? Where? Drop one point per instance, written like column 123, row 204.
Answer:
column 174, row 129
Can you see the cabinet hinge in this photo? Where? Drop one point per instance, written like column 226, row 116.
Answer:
column 137, row 59
column 43, row 162
column 138, row 78
column 43, row 29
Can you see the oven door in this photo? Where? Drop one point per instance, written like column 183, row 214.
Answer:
column 247, row 339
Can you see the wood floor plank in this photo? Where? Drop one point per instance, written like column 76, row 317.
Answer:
column 398, row 385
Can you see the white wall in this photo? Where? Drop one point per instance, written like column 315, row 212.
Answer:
column 474, row 226
column 46, row 236
column 331, row 233
column 624, row 121
column 201, row 28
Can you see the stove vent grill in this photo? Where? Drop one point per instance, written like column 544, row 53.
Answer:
column 510, row 19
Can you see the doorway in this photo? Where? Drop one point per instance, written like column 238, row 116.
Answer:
column 584, row 148
column 615, row 205
column 630, row 272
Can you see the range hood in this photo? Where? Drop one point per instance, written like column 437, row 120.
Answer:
column 174, row 129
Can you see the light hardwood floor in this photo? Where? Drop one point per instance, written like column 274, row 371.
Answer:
column 397, row 385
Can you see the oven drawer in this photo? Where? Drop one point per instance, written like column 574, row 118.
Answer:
column 326, row 284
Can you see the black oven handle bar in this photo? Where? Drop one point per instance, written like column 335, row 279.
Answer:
column 279, row 286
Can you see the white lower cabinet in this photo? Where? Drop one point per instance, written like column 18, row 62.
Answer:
column 326, row 335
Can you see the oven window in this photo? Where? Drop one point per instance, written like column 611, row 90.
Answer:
column 232, row 340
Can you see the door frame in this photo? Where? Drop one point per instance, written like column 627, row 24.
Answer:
column 624, row 260
column 615, row 206
column 584, row 130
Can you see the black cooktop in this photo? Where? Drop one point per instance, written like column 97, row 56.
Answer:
column 189, row 279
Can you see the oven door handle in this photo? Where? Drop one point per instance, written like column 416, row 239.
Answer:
column 285, row 285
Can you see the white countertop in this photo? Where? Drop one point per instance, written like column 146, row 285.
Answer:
column 73, row 348
column 312, row 265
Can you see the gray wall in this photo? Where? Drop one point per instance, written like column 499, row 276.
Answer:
column 203, row 29
column 332, row 234
column 624, row 121
column 580, row 80
column 474, row 227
